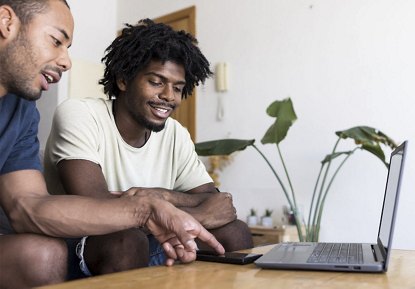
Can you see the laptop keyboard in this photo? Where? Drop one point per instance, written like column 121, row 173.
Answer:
column 339, row 253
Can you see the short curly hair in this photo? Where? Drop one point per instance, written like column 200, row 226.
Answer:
column 137, row 45
column 27, row 9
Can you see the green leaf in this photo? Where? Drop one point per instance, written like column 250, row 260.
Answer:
column 222, row 146
column 369, row 139
column 285, row 116
column 376, row 150
column 335, row 155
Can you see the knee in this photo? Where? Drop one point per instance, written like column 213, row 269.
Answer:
column 128, row 240
column 49, row 257
column 240, row 230
column 132, row 250
column 117, row 252
column 234, row 236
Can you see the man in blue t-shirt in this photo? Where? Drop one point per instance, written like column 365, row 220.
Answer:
column 34, row 39
column 18, row 125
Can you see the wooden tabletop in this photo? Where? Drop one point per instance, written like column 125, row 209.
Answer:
column 201, row 275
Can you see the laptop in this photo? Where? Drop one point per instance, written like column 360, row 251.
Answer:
column 355, row 257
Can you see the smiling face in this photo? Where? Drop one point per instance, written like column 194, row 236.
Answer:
column 153, row 94
column 37, row 54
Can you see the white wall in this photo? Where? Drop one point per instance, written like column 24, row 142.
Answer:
column 95, row 28
column 343, row 63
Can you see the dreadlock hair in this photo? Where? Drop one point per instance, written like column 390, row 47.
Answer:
column 137, row 45
column 27, row 9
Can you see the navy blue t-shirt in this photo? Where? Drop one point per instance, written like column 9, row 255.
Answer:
column 19, row 145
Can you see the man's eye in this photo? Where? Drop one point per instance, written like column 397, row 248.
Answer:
column 56, row 41
column 155, row 83
column 178, row 89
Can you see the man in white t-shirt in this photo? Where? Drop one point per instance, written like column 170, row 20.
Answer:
column 128, row 145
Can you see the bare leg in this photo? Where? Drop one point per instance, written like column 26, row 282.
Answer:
column 28, row 260
column 117, row 252
column 233, row 236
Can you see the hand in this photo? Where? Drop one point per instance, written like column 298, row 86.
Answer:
column 177, row 231
column 222, row 207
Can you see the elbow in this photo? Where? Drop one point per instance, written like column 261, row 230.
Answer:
column 16, row 222
column 20, row 217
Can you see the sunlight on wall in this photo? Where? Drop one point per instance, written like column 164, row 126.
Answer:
column 83, row 79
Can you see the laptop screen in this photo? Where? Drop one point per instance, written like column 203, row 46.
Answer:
column 391, row 195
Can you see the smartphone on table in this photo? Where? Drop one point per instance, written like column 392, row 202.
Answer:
column 228, row 257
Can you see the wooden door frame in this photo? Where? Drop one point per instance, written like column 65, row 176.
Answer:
column 189, row 12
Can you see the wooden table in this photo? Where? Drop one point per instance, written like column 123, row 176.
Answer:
column 201, row 275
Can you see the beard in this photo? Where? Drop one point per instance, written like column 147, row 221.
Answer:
column 142, row 120
column 17, row 62
column 154, row 127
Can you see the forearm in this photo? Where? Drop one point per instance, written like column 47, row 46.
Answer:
column 211, row 209
column 74, row 216
column 177, row 199
column 216, row 211
column 198, row 213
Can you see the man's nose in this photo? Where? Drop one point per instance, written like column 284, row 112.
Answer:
column 168, row 93
column 64, row 60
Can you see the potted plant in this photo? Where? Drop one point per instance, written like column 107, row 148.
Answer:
column 252, row 219
column 365, row 138
column 266, row 219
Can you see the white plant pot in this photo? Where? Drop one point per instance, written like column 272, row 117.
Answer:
column 252, row 220
column 266, row 222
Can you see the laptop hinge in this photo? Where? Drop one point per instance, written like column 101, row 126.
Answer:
column 377, row 254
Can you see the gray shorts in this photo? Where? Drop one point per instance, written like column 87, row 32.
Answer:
column 157, row 256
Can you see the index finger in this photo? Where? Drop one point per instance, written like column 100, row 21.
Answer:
column 211, row 241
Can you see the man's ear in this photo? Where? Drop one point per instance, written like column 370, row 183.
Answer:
column 122, row 85
column 9, row 22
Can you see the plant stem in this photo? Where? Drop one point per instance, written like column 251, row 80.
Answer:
column 315, row 237
column 295, row 208
column 288, row 177
column 276, row 175
column 290, row 202
column 320, row 213
column 310, row 229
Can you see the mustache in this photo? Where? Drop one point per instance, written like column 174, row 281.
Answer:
column 162, row 103
column 54, row 69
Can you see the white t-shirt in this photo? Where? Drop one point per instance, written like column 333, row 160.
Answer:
column 85, row 129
